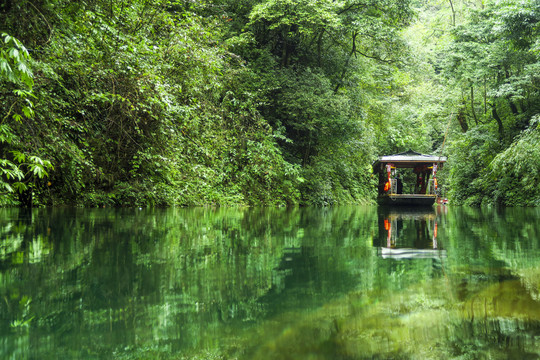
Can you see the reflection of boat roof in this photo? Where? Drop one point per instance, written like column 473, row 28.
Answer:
column 407, row 159
column 412, row 216
column 409, row 253
column 407, row 212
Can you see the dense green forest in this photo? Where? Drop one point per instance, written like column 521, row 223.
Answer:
column 274, row 102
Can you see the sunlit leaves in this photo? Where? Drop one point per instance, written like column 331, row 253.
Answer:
column 18, row 168
column 14, row 172
column 10, row 171
column 308, row 15
column 518, row 22
column 516, row 171
column 6, row 134
column 14, row 59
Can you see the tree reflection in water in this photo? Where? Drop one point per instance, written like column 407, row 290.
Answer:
column 269, row 283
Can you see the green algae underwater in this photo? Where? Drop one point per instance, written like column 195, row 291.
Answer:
column 301, row 283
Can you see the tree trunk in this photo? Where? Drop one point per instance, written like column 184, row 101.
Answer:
column 499, row 121
column 513, row 107
column 453, row 13
column 472, row 106
column 353, row 50
column 462, row 120
column 485, row 96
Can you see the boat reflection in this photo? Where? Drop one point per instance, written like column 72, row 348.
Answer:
column 409, row 233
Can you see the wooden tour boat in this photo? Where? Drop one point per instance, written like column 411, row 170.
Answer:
column 390, row 170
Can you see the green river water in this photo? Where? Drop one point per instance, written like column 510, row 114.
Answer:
column 302, row 283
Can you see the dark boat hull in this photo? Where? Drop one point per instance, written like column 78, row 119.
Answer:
column 407, row 200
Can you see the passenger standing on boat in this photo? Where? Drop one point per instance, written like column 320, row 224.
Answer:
column 399, row 184
column 420, row 187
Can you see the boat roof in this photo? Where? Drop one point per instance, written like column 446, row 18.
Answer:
column 409, row 159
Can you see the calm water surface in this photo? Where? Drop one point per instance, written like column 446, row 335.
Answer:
column 314, row 283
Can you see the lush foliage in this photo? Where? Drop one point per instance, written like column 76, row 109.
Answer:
column 174, row 102
column 488, row 60
column 20, row 168
column 278, row 102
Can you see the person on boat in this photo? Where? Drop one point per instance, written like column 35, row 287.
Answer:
column 423, row 188
column 419, row 184
column 399, row 184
